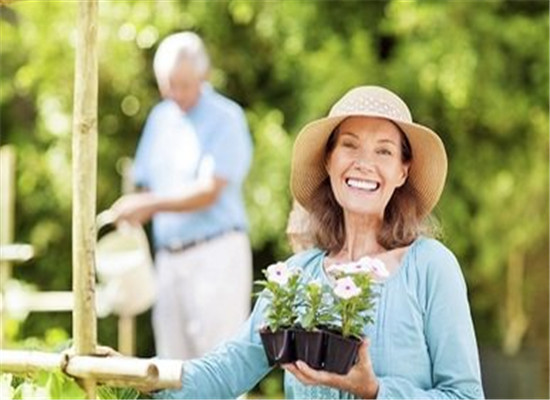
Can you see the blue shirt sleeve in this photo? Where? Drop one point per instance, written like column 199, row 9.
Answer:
column 449, row 334
column 231, row 148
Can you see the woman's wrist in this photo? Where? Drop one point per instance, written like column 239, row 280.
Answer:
column 370, row 391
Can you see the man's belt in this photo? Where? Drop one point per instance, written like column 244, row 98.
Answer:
column 176, row 247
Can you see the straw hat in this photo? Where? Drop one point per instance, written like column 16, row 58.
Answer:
column 429, row 161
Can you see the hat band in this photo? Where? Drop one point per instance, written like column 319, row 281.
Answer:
column 366, row 104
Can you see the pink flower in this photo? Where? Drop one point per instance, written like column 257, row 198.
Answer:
column 346, row 288
column 378, row 268
column 365, row 265
column 358, row 267
column 278, row 273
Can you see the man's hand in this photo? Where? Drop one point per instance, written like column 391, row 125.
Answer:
column 360, row 380
column 135, row 208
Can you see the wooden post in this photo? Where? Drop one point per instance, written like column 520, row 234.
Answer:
column 516, row 320
column 7, row 212
column 126, row 324
column 84, row 184
column 126, row 335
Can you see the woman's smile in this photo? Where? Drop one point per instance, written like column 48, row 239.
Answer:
column 366, row 185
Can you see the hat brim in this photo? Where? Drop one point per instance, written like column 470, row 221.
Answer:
column 427, row 172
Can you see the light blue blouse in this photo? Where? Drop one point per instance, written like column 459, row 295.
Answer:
column 422, row 341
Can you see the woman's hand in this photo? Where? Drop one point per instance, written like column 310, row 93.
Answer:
column 135, row 208
column 360, row 380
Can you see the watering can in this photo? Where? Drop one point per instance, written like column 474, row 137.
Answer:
column 124, row 268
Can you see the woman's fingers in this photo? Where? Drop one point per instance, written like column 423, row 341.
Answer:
column 319, row 377
column 363, row 353
column 293, row 369
column 310, row 376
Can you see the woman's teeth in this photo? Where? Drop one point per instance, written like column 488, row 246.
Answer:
column 361, row 184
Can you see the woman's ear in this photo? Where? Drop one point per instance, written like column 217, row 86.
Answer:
column 404, row 174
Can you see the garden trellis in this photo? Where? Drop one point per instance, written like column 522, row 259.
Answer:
column 17, row 300
column 86, row 364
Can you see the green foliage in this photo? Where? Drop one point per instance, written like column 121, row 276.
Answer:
column 56, row 385
column 54, row 340
column 281, row 291
column 353, row 309
column 48, row 385
column 316, row 308
column 107, row 392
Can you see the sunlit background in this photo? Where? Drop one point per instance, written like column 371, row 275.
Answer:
column 477, row 72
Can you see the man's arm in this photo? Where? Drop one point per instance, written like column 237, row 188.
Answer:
column 139, row 208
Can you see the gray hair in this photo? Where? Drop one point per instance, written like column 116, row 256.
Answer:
column 175, row 48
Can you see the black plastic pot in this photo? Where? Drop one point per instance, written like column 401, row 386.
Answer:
column 341, row 352
column 278, row 346
column 310, row 347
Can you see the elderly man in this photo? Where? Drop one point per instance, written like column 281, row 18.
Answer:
column 192, row 159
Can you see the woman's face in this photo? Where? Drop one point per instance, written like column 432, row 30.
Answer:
column 365, row 166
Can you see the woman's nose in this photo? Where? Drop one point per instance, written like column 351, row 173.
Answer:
column 364, row 163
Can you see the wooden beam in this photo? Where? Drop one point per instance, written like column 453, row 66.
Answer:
column 28, row 301
column 7, row 218
column 84, row 184
column 126, row 334
column 16, row 252
column 144, row 374
column 7, row 205
column 126, row 324
column 84, row 178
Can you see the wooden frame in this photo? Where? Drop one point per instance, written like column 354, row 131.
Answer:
column 86, row 365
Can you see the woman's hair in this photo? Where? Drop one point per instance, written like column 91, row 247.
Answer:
column 401, row 225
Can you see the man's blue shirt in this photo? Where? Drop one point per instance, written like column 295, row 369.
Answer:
column 176, row 148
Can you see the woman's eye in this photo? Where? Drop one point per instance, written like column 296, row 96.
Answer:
column 385, row 152
column 348, row 144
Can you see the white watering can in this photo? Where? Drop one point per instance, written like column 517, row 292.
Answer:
column 124, row 268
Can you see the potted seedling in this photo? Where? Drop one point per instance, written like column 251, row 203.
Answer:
column 353, row 295
column 309, row 338
column 280, row 289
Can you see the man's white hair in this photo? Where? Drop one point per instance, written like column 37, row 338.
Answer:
column 172, row 50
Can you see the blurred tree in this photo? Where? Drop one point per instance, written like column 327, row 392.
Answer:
column 478, row 75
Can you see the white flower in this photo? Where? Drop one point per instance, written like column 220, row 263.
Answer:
column 359, row 267
column 378, row 268
column 365, row 265
column 278, row 273
column 346, row 288
column 341, row 268
column 333, row 268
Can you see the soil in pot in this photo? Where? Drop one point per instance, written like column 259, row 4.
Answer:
column 309, row 347
column 278, row 346
column 341, row 352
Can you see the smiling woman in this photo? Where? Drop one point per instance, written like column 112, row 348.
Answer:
column 370, row 177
